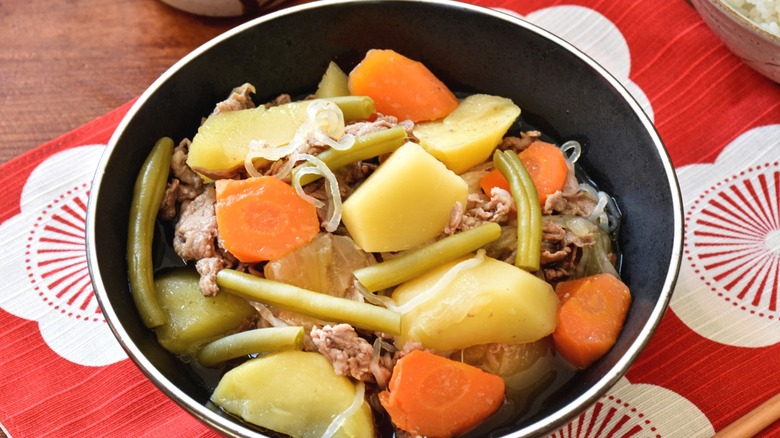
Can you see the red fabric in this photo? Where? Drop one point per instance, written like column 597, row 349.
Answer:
column 703, row 101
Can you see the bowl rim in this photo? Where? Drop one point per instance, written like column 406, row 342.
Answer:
column 742, row 19
column 551, row 420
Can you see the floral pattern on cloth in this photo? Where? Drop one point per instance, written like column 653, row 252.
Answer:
column 729, row 281
column 712, row 359
column 46, row 262
column 644, row 410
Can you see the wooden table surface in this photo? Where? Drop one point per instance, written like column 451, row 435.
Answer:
column 64, row 63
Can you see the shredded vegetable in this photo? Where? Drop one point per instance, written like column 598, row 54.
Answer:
column 318, row 167
column 443, row 282
column 357, row 402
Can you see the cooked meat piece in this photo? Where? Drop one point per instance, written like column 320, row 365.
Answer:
column 456, row 219
column 580, row 203
column 185, row 185
column 549, row 257
column 560, row 250
column 168, row 205
column 280, row 100
column 208, row 269
column 240, row 98
column 518, row 144
column 382, row 122
column 497, row 208
column 350, row 354
column 479, row 210
column 196, row 231
column 191, row 183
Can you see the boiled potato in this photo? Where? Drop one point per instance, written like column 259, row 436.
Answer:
column 194, row 320
column 333, row 83
column 404, row 203
column 468, row 135
column 293, row 392
column 222, row 141
column 491, row 302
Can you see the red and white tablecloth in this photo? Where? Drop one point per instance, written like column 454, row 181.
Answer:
column 715, row 356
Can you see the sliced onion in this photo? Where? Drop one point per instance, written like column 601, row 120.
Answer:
column 579, row 225
column 267, row 315
column 357, row 402
column 572, row 150
column 331, row 188
column 345, row 142
column 443, row 282
column 326, row 121
column 599, row 215
column 256, row 150
column 296, row 183
column 377, row 300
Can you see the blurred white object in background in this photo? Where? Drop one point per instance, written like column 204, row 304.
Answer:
column 756, row 46
column 765, row 13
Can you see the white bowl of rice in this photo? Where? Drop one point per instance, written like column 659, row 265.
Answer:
column 749, row 28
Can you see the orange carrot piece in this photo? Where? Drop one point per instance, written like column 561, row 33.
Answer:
column 263, row 218
column 493, row 179
column 591, row 315
column 401, row 87
column 547, row 166
column 433, row 396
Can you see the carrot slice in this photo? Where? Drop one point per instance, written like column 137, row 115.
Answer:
column 493, row 179
column 544, row 162
column 263, row 218
column 401, row 87
column 592, row 312
column 547, row 166
column 433, row 396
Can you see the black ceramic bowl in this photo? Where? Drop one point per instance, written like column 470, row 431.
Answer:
column 560, row 90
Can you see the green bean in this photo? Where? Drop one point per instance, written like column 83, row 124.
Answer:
column 414, row 263
column 147, row 196
column 365, row 147
column 529, row 215
column 306, row 302
column 354, row 107
column 263, row 340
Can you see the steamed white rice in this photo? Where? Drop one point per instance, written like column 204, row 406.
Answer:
column 765, row 13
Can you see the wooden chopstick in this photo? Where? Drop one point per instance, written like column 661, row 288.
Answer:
column 754, row 421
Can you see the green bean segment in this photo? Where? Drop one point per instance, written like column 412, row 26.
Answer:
column 529, row 214
column 306, row 302
column 147, row 196
column 262, row 340
column 419, row 261
column 365, row 147
column 354, row 107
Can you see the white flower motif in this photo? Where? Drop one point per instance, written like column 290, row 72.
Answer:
column 44, row 271
column 638, row 410
column 600, row 39
column 729, row 285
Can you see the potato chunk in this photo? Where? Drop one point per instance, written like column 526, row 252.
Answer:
column 223, row 139
column 404, row 203
column 293, row 392
column 468, row 135
column 477, row 303
column 334, row 82
column 193, row 319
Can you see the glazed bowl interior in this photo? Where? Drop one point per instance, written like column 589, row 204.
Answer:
column 561, row 92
